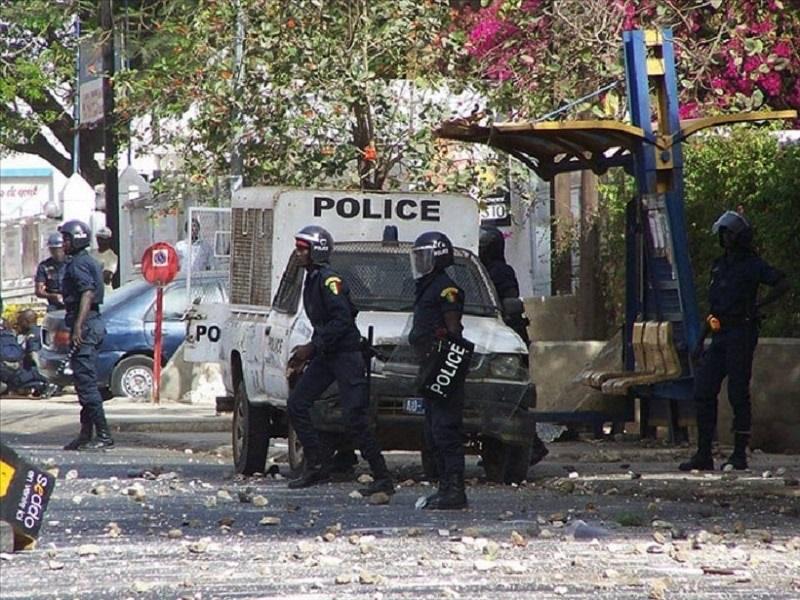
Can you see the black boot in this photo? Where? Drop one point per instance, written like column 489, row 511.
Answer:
column 702, row 459
column 432, row 501
column 84, row 437
column 382, row 479
column 103, row 441
column 315, row 472
column 453, row 497
column 738, row 459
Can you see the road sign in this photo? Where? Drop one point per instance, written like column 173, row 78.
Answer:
column 160, row 264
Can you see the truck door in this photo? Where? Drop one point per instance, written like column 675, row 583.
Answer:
column 285, row 329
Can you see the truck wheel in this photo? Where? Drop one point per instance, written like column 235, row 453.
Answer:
column 132, row 377
column 296, row 455
column 505, row 463
column 250, row 434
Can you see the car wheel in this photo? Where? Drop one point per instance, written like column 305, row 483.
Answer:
column 296, row 455
column 505, row 463
column 250, row 434
column 133, row 377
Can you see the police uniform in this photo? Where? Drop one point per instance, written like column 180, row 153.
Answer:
column 732, row 295
column 435, row 295
column 84, row 273
column 51, row 273
column 337, row 357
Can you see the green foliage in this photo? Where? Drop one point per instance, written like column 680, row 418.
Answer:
column 746, row 167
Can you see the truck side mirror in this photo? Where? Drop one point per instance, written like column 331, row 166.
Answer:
column 513, row 307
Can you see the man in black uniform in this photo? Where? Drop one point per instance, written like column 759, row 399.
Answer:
column 492, row 252
column 333, row 354
column 438, row 307
column 83, row 295
column 733, row 323
column 50, row 272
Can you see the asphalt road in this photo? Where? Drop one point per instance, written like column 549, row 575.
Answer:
column 151, row 520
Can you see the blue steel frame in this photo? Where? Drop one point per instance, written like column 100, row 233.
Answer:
column 653, row 177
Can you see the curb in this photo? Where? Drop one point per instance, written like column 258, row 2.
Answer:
column 218, row 424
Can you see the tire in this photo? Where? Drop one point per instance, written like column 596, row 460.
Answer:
column 133, row 377
column 250, row 436
column 505, row 463
column 297, row 457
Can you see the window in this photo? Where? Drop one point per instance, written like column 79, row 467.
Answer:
column 176, row 301
column 288, row 294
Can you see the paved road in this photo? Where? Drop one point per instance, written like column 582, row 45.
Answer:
column 115, row 531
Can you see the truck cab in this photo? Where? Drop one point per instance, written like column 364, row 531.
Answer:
column 257, row 335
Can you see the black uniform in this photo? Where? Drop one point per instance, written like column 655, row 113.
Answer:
column 84, row 273
column 437, row 294
column 337, row 357
column 735, row 278
column 51, row 273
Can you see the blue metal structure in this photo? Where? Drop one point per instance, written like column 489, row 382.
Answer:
column 659, row 282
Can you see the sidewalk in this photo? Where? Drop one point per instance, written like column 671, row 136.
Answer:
column 25, row 416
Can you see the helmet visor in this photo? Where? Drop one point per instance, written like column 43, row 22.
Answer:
column 422, row 261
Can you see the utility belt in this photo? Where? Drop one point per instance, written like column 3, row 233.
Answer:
column 717, row 323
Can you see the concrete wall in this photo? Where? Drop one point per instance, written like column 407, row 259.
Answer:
column 775, row 395
column 775, row 387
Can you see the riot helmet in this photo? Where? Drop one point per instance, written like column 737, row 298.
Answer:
column 318, row 241
column 432, row 251
column 491, row 245
column 739, row 228
column 77, row 234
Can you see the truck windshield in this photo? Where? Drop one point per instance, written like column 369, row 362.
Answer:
column 383, row 281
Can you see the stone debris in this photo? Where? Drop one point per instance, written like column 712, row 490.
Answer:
column 270, row 521
column 518, row 540
column 88, row 550
column 367, row 578
column 55, row 565
column 380, row 498
column 355, row 494
column 71, row 474
column 259, row 501
column 113, row 530
column 224, row 496
column 199, row 547
column 210, row 502
column 365, row 479
column 142, row 587
column 343, row 579
column 484, row 565
column 100, row 490
column 136, row 492
column 174, row 534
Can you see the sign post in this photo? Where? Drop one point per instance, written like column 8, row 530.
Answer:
column 159, row 267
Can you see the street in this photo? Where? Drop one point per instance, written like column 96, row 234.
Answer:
column 162, row 516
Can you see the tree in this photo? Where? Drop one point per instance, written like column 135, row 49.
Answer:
column 535, row 54
column 342, row 91
column 38, row 46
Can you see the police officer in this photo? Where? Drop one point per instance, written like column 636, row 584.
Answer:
column 733, row 323
column 438, row 308
column 83, row 295
column 50, row 272
column 492, row 252
column 333, row 354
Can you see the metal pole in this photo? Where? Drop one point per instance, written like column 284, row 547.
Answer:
column 237, row 167
column 76, row 110
column 109, row 138
column 157, row 345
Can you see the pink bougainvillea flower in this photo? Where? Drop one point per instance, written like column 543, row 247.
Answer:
column 770, row 83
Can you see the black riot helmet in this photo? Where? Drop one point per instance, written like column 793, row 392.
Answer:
column 77, row 234
column 432, row 251
column 741, row 232
column 318, row 241
column 491, row 245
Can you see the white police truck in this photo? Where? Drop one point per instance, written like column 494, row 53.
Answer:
column 252, row 335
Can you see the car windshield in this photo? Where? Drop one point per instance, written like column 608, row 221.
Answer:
column 126, row 293
column 382, row 281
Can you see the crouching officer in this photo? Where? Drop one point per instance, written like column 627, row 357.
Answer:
column 733, row 323
column 438, row 307
column 335, row 354
column 82, row 289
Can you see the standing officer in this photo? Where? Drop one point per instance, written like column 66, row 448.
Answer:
column 335, row 354
column 83, row 295
column 50, row 272
column 438, row 307
column 492, row 252
column 733, row 323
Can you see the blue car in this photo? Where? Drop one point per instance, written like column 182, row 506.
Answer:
column 125, row 359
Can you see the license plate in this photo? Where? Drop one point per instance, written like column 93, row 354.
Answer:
column 414, row 406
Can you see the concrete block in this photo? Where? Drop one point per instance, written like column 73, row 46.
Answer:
column 191, row 383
